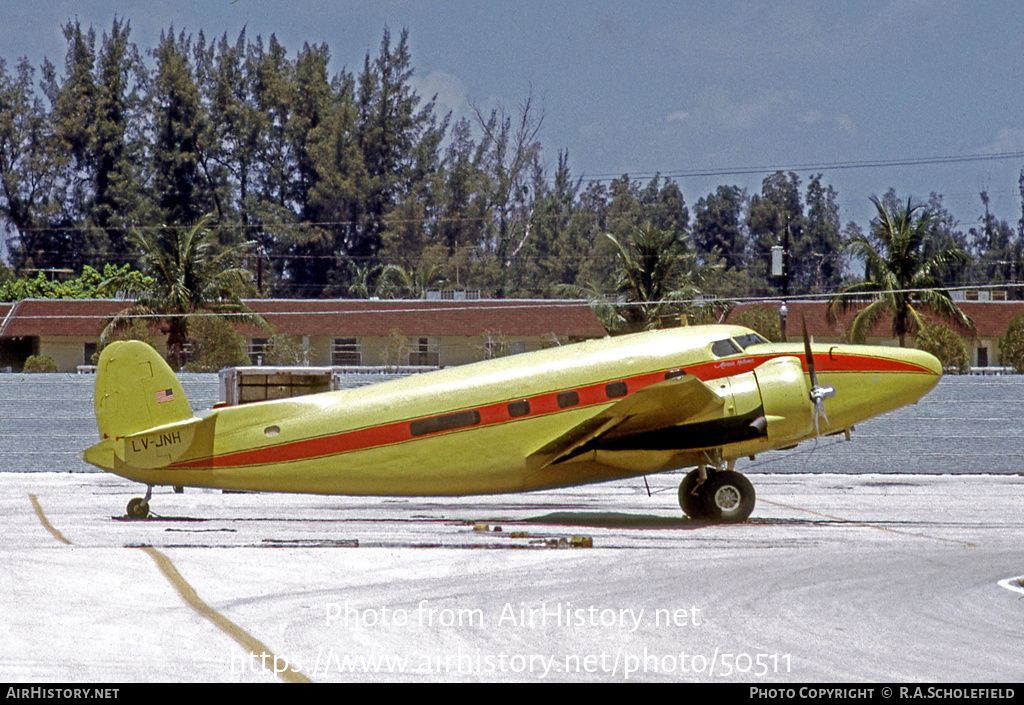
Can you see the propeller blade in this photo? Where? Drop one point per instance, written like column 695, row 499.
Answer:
column 809, row 355
column 818, row 393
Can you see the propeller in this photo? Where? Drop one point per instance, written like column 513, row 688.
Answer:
column 818, row 393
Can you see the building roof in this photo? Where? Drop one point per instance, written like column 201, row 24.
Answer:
column 62, row 317
column 990, row 318
column 342, row 318
column 354, row 318
column 412, row 317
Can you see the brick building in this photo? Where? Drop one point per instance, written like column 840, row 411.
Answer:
column 336, row 332
column 991, row 318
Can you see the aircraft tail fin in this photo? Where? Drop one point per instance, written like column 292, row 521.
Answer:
column 136, row 391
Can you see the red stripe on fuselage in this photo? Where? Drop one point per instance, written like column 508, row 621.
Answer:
column 540, row 405
column 823, row 362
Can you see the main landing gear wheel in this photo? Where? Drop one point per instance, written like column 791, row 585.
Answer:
column 725, row 497
column 691, row 499
column 729, row 497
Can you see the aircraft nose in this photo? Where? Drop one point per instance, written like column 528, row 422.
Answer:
column 921, row 371
column 926, row 361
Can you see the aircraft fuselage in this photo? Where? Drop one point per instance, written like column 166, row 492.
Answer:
column 551, row 418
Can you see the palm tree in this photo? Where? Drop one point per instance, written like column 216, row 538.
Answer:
column 191, row 278
column 653, row 277
column 410, row 282
column 903, row 281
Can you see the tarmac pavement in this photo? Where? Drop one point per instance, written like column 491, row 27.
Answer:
column 835, row 578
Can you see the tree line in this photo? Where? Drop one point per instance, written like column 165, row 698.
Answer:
column 353, row 185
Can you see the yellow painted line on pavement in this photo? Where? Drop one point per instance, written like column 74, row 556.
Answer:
column 256, row 648
column 188, row 594
column 46, row 522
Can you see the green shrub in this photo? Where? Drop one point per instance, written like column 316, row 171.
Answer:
column 1011, row 345
column 40, row 363
column 215, row 345
column 136, row 330
column 761, row 319
column 286, row 350
column 946, row 345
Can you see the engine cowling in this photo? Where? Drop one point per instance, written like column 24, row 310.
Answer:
column 786, row 399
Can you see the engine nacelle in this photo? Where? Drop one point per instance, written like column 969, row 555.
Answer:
column 786, row 398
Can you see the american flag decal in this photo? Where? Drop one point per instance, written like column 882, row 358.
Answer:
column 164, row 395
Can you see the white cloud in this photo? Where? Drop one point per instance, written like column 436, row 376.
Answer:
column 1008, row 139
column 717, row 107
column 810, row 117
column 799, row 34
column 846, row 125
column 449, row 89
column 842, row 124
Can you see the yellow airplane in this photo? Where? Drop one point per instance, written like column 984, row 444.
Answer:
column 699, row 396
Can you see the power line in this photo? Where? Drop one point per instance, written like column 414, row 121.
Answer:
column 524, row 304
column 825, row 166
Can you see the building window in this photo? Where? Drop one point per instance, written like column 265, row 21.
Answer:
column 425, row 351
column 345, row 352
column 257, row 350
column 451, row 294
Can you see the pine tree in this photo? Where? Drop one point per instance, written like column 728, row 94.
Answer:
column 180, row 191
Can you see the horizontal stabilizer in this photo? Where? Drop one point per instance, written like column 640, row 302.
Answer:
column 154, row 448
column 158, row 447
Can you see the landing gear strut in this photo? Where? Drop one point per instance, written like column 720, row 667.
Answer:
column 721, row 496
column 138, row 507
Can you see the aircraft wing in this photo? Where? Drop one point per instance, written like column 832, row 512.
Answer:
column 660, row 405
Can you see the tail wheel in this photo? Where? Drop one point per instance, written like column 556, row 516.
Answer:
column 138, row 508
column 728, row 497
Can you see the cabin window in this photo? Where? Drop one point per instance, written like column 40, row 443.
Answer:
column 745, row 341
column 723, row 348
column 616, row 390
column 447, row 422
column 567, row 399
column 673, row 374
column 518, row 408
column 345, row 352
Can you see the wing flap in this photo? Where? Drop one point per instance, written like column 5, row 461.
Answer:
column 667, row 403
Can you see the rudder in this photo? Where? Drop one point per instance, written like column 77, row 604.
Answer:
column 136, row 390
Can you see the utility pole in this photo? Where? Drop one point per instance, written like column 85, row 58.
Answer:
column 780, row 268
column 259, row 265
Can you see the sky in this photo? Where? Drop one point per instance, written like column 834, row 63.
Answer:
column 689, row 90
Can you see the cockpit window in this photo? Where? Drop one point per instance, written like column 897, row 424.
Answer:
column 745, row 341
column 722, row 348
